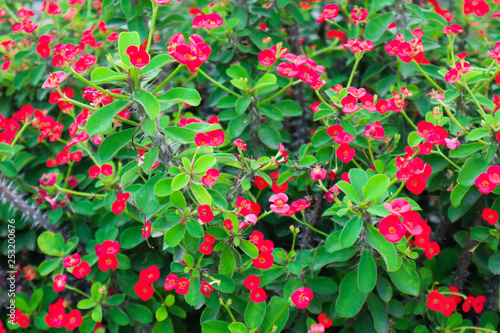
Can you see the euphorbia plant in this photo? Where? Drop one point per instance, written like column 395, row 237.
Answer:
column 171, row 149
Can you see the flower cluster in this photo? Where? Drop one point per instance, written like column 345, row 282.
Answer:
column 265, row 258
column 257, row 295
column 413, row 171
column 192, row 55
column 438, row 301
column 344, row 152
column 181, row 285
column 487, row 181
column 57, row 316
column 408, row 51
column 143, row 288
column 210, row 21
column 106, row 252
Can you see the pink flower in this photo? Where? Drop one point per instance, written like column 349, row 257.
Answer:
column 301, row 297
column 240, row 144
column 54, row 80
column 350, row 104
column 452, row 76
column 453, row 143
column 279, row 205
column 318, row 173
column 398, row 207
column 162, row 2
column 267, row 57
column 211, row 177
column 317, row 328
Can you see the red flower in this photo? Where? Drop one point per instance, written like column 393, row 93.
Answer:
column 59, row 283
column 138, row 58
column 252, row 282
column 267, row 57
column 449, row 306
column 265, row 246
column 171, row 282
column 228, row 224
column 71, row 261
column 107, row 261
column 469, row 303
column 435, row 301
column 206, row 214
column 490, row 216
column 263, row 261
column 144, row 290
column 206, row 288
column 94, row 171
column 209, row 239
column 118, row 206
column 484, row 184
column 81, row 270
column 260, row 182
column 258, row 295
column 318, row 173
column 279, row 188
column 323, row 320
column 431, row 249
column 494, row 174
column 345, row 153
column 146, row 229
column 256, row 237
column 182, row 286
column 108, row 247
column 211, row 176
column 72, row 320
column 416, row 184
column 334, row 130
column 301, row 297
column 452, row 76
column 392, row 228
column 150, row 275
column 106, row 169
column 411, row 222
column 478, row 307
column 206, row 248
column 350, row 104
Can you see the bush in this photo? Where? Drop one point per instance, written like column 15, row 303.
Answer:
column 243, row 166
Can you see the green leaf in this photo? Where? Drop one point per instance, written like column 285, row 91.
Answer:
column 48, row 266
column 242, row 104
column 351, row 230
column 494, row 263
column 375, row 187
column 131, row 237
column 139, row 313
column 149, row 102
column 51, row 244
column 385, row 248
column 351, row 299
column 458, row 193
column 274, row 316
column 379, row 314
column 86, row 304
column 181, row 134
column 406, row 279
column 119, row 316
column 194, row 296
column 180, row 181
column 349, row 190
column 367, row 272
column 157, row 62
column 254, row 314
column 194, row 228
column 102, row 119
column 237, row 125
column 322, row 285
column 251, row 250
column 471, row 169
column 178, row 200
column 271, row 112
column 102, row 75
column 227, row 262
column 269, row 136
column 238, row 328
column 201, row 194
column 376, row 27
column 466, row 149
column 113, row 143
column 289, row 108
column 214, row 326
column 265, row 80
column 478, row 133
column 174, row 235
column 161, row 314
column 204, row 163
column 181, row 95
column 237, row 72
column 125, row 40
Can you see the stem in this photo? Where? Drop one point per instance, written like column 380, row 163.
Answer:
column 217, row 83
column 18, row 135
column 356, row 163
column 446, row 158
column 291, row 83
column 397, row 192
column 408, row 119
column 78, row 291
column 473, row 328
column 480, row 108
column 309, row 226
column 358, row 59
column 487, row 82
column 338, row 26
column 168, row 79
column 279, row 315
column 126, row 121
column 67, row 99
column 82, row 194
column 322, row 100
column 151, row 29
column 370, row 151
column 81, row 78
column 427, row 76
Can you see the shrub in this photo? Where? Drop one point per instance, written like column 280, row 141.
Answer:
column 250, row 166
